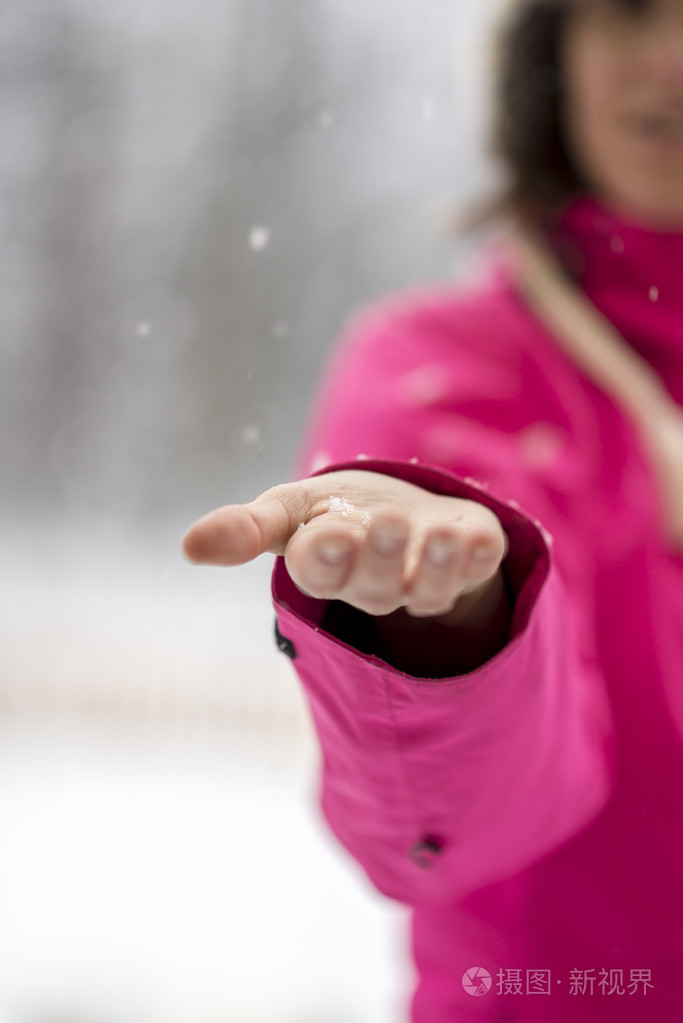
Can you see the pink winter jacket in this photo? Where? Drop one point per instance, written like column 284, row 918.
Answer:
column 530, row 812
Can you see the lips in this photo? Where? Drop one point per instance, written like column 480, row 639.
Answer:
column 664, row 128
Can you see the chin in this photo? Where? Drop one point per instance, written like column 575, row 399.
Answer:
column 652, row 208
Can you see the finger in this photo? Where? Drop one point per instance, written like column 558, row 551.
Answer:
column 440, row 573
column 377, row 581
column 453, row 563
column 320, row 558
column 236, row 533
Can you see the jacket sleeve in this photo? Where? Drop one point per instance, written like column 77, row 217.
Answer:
column 439, row 787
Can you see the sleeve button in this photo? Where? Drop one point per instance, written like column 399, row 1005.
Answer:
column 425, row 852
column 284, row 644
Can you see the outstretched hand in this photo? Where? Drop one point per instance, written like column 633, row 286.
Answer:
column 373, row 541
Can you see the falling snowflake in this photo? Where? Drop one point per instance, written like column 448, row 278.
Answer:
column 428, row 108
column 541, row 444
column 544, row 532
column 250, row 434
column 326, row 118
column 320, row 458
column 423, row 386
column 258, row 238
column 280, row 329
column 144, row 329
column 654, row 293
column 616, row 243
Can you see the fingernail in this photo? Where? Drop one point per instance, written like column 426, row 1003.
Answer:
column 386, row 542
column 439, row 552
column 332, row 552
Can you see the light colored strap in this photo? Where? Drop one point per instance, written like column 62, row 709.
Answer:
column 584, row 332
column 601, row 351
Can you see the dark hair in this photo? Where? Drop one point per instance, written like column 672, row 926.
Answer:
column 526, row 131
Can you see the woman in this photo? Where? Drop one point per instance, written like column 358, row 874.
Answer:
column 503, row 735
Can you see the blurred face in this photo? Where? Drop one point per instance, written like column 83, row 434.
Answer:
column 623, row 115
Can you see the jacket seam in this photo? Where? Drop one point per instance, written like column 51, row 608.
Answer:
column 401, row 758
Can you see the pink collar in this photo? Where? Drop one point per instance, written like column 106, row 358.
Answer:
column 633, row 274
column 618, row 311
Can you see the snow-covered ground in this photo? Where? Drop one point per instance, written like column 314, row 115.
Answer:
column 181, row 876
column 162, row 855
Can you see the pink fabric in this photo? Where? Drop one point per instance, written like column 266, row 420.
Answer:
column 549, row 780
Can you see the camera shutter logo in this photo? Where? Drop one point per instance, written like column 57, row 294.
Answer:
column 476, row 981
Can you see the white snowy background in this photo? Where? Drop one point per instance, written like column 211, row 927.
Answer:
column 194, row 195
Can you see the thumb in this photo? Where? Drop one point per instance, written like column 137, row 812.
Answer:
column 237, row 533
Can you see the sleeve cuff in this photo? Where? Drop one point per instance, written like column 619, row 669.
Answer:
column 526, row 565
